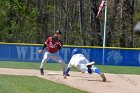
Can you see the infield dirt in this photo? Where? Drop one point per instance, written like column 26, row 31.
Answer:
column 116, row 83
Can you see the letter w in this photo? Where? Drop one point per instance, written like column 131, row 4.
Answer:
column 21, row 52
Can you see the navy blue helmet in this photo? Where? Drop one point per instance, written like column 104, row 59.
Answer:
column 75, row 51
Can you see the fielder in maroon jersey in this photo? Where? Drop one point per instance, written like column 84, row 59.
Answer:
column 53, row 44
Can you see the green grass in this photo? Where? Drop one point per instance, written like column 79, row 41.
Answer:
column 30, row 84
column 56, row 66
column 119, row 69
column 31, row 65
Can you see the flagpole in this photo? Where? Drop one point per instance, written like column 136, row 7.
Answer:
column 105, row 20
column 104, row 38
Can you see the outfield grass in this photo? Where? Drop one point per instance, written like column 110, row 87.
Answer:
column 31, row 65
column 32, row 84
column 56, row 66
column 120, row 69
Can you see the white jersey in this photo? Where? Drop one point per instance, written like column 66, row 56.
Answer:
column 80, row 61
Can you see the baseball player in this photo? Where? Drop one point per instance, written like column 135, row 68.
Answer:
column 53, row 44
column 79, row 61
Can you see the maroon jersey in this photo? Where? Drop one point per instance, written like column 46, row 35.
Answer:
column 52, row 46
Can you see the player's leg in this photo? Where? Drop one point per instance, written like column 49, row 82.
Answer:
column 58, row 59
column 97, row 70
column 44, row 60
column 85, row 65
column 82, row 68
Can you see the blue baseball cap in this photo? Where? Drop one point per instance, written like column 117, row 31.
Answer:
column 75, row 51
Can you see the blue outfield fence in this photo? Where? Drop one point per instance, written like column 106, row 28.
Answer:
column 112, row 56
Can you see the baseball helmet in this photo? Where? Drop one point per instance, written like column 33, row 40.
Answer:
column 75, row 51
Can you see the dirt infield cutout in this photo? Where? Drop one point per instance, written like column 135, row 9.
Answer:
column 116, row 83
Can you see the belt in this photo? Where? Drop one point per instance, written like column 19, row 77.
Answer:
column 52, row 52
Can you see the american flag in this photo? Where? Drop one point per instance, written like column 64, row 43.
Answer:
column 103, row 4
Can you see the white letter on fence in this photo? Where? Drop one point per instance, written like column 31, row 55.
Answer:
column 32, row 53
column 21, row 52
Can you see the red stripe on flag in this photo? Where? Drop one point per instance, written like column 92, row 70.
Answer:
column 103, row 4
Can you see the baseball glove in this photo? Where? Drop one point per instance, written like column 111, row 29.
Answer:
column 58, row 46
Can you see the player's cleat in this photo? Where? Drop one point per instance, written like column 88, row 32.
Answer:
column 90, row 64
column 41, row 71
column 103, row 77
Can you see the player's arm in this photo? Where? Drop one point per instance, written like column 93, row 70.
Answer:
column 44, row 46
column 59, row 44
column 67, row 70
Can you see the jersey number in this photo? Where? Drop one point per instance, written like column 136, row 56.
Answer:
column 52, row 45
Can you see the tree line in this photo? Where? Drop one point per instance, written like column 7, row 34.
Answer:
column 32, row 21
